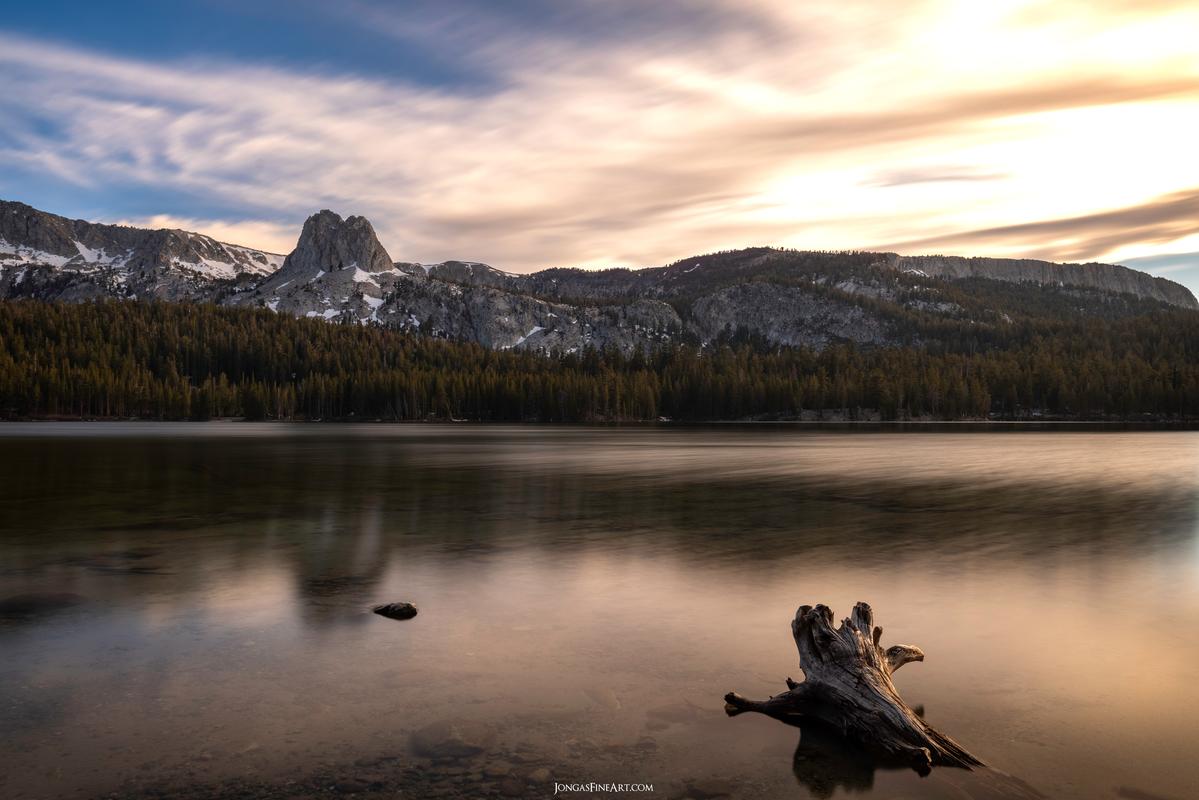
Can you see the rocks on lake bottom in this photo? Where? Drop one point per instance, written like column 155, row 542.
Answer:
column 446, row 739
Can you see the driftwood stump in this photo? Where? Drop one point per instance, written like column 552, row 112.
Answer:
column 848, row 687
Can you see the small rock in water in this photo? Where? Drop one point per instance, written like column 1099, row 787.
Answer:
column 452, row 740
column 540, row 775
column 396, row 610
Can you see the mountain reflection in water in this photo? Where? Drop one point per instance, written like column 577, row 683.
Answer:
column 588, row 595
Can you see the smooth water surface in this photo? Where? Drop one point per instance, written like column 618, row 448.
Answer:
column 202, row 594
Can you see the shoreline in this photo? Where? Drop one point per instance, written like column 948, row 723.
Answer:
column 981, row 424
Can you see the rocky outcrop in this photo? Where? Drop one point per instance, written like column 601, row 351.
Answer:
column 1110, row 278
column 787, row 316
column 469, row 273
column 329, row 243
column 338, row 270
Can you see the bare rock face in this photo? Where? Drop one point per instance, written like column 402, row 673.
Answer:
column 338, row 270
column 54, row 258
column 329, row 244
column 25, row 228
column 786, row 315
column 1104, row 277
column 469, row 273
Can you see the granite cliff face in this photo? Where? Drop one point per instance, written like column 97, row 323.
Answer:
column 339, row 271
column 330, row 244
column 1103, row 277
column 48, row 256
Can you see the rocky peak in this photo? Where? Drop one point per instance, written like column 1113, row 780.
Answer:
column 329, row 243
column 40, row 251
column 24, row 226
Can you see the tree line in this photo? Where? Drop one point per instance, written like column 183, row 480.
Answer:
column 114, row 359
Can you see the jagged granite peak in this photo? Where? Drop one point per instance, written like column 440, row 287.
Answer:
column 329, row 243
column 339, row 269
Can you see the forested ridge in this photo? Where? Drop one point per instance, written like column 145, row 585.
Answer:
column 184, row 361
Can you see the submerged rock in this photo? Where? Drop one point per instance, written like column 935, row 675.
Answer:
column 446, row 739
column 396, row 610
column 603, row 696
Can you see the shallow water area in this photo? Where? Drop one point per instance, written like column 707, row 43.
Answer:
column 192, row 607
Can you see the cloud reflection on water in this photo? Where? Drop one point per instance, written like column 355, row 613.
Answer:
column 1035, row 570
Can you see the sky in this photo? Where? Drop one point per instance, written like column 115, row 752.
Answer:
column 542, row 133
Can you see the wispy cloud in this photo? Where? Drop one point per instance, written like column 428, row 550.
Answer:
column 931, row 174
column 1088, row 236
column 623, row 132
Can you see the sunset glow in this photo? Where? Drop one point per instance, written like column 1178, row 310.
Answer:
column 601, row 134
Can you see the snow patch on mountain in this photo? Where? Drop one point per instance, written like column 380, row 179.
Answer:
column 13, row 254
column 536, row 330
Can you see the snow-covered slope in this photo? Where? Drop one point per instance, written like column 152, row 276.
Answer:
column 56, row 257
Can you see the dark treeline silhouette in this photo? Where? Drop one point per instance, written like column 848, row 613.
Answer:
column 179, row 361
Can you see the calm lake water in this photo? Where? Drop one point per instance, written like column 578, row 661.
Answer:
column 587, row 597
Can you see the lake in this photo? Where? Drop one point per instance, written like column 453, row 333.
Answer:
column 200, row 622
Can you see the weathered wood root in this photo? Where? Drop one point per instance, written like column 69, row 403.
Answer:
column 848, row 686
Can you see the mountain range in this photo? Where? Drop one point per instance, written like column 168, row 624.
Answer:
column 339, row 271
